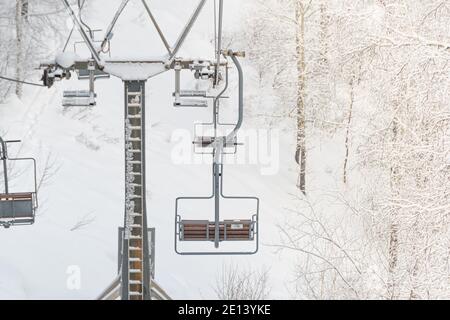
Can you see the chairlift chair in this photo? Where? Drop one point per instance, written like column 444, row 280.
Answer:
column 192, row 98
column 78, row 98
column 16, row 208
column 93, row 32
column 85, row 98
column 203, row 144
column 217, row 231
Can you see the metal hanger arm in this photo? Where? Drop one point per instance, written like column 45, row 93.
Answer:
column 219, row 40
column 113, row 23
column 233, row 134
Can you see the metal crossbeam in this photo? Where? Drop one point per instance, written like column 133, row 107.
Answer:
column 186, row 30
column 111, row 66
column 161, row 34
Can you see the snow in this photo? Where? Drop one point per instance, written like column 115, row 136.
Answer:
column 86, row 150
column 66, row 59
column 135, row 71
column 11, row 283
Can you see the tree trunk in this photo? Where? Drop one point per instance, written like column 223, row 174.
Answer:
column 324, row 22
column 300, row 154
column 393, row 260
column 21, row 17
column 347, row 133
column 394, row 228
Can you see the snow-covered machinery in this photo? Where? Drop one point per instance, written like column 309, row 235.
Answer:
column 16, row 208
column 90, row 72
column 86, row 69
column 203, row 70
column 82, row 98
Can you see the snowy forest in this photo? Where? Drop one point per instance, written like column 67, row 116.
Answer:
column 356, row 94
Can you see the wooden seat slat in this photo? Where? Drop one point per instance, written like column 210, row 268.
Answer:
column 205, row 230
column 221, row 233
column 16, row 196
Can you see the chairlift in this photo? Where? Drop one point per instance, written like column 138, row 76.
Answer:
column 204, row 144
column 86, row 98
column 16, row 208
column 78, row 98
column 204, row 140
column 192, row 98
column 217, row 231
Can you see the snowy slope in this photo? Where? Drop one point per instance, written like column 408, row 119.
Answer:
column 86, row 149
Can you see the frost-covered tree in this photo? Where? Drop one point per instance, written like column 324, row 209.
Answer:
column 30, row 30
column 376, row 79
column 236, row 283
column 409, row 147
column 21, row 19
column 289, row 46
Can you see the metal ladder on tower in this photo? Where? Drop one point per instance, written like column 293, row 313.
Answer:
column 135, row 223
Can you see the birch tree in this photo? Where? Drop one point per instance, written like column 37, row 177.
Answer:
column 235, row 283
column 21, row 20
column 290, row 48
column 30, row 30
column 301, row 9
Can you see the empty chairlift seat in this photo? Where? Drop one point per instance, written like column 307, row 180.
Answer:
column 79, row 98
column 192, row 93
column 190, row 103
column 207, row 141
column 188, row 98
column 229, row 230
column 191, row 99
column 85, row 74
column 17, row 208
